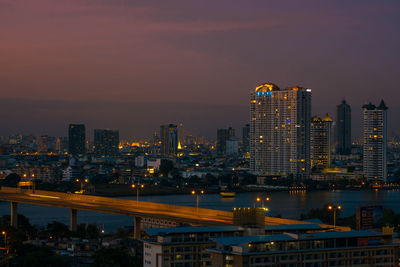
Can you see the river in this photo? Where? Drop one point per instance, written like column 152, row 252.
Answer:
column 287, row 204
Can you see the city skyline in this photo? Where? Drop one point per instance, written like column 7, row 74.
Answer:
column 99, row 73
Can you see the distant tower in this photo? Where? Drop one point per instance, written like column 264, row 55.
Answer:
column 223, row 135
column 320, row 144
column 375, row 142
column 106, row 142
column 246, row 138
column 169, row 139
column 43, row 144
column 343, row 129
column 280, row 130
column 76, row 139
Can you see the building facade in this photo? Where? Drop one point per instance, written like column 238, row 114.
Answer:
column 375, row 142
column 246, row 138
column 106, row 142
column 321, row 142
column 343, row 129
column 76, row 139
column 223, row 135
column 169, row 139
column 280, row 130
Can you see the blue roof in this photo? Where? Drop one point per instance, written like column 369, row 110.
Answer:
column 184, row 230
column 238, row 240
column 283, row 227
column 327, row 235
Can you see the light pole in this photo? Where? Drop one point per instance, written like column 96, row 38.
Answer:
column 4, row 233
column 334, row 208
column 259, row 199
column 82, row 181
column 197, row 198
column 137, row 191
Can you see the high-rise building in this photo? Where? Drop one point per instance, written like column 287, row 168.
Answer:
column 222, row 136
column 280, row 130
column 76, row 139
column 169, row 139
column 61, row 145
column 343, row 129
column 320, row 142
column 43, row 144
column 246, row 138
column 375, row 142
column 106, row 142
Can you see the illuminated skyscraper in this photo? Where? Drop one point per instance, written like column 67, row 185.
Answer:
column 76, row 139
column 106, row 142
column 320, row 144
column 280, row 130
column 343, row 129
column 375, row 142
column 169, row 139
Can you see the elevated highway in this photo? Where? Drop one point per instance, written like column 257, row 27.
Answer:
column 137, row 209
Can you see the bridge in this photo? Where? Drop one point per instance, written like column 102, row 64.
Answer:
column 137, row 209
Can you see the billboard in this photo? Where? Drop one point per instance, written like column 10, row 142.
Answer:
column 370, row 217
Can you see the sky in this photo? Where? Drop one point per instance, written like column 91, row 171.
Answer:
column 134, row 65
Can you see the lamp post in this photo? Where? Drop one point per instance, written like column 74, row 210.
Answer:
column 197, row 198
column 82, row 181
column 334, row 208
column 4, row 233
column 137, row 186
column 259, row 199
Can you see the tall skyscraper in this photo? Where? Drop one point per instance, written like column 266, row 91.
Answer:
column 76, row 139
column 343, row 129
column 169, row 139
column 246, row 138
column 106, row 142
column 320, row 144
column 375, row 142
column 280, row 130
column 222, row 136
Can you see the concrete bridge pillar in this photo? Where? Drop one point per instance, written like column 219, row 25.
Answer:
column 14, row 214
column 137, row 227
column 73, row 219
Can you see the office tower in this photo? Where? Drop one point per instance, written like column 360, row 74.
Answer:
column 61, row 145
column 343, row 129
column 375, row 142
column 43, row 144
column 280, row 130
column 106, row 142
column 169, row 139
column 222, row 136
column 320, row 142
column 246, row 138
column 76, row 139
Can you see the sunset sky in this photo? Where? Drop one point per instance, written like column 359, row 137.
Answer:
column 133, row 65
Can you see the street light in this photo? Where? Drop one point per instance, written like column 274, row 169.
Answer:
column 334, row 208
column 82, row 181
column 138, row 186
column 259, row 199
column 197, row 198
column 4, row 233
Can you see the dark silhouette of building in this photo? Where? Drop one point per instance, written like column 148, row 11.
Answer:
column 343, row 129
column 106, row 142
column 169, row 139
column 246, row 138
column 222, row 136
column 76, row 139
